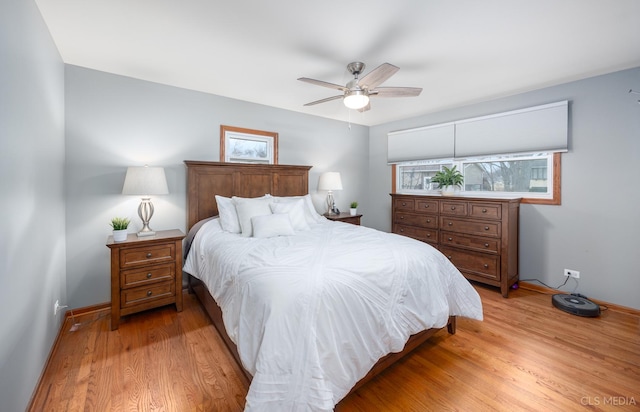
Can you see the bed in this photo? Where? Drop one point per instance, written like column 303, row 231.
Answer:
column 312, row 314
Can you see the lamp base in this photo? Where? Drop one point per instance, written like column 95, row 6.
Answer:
column 145, row 234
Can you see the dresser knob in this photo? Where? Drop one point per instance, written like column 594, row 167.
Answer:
column 450, row 239
column 484, row 210
column 428, row 220
column 486, row 266
column 401, row 217
column 426, row 206
column 486, row 245
column 453, row 208
column 450, row 223
column 486, row 228
column 148, row 275
column 449, row 257
column 402, row 230
column 148, row 293
column 149, row 255
column 428, row 234
column 404, row 204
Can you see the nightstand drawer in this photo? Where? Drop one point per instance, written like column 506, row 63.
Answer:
column 137, row 277
column 145, row 294
column 147, row 255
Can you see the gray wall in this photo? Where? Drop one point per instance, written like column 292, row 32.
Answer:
column 113, row 122
column 32, row 238
column 594, row 229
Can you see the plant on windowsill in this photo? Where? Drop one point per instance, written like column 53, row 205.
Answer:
column 119, row 225
column 353, row 208
column 449, row 180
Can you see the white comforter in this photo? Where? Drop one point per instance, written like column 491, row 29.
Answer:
column 312, row 313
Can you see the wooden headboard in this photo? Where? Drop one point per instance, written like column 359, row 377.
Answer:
column 207, row 179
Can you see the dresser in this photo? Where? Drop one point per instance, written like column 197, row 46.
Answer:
column 146, row 272
column 478, row 235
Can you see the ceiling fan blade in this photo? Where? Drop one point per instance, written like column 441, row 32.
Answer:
column 378, row 76
column 323, row 84
column 364, row 109
column 328, row 99
column 396, row 92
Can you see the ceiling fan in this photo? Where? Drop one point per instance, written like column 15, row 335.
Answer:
column 357, row 92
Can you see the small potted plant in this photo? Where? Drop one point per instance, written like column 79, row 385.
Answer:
column 119, row 225
column 449, row 180
column 353, row 208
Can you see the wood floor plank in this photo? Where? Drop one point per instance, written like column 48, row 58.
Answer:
column 525, row 356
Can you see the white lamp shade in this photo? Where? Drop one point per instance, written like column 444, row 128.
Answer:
column 330, row 181
column 356, row 100
column 145, row 181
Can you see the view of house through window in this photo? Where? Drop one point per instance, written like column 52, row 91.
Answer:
column 519, row 175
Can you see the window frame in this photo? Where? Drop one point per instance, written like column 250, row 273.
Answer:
column 555, row 178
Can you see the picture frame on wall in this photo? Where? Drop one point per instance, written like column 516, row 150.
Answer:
column 240, row 145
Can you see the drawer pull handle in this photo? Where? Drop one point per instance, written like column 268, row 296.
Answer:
column 450, row 239
column 404, row 204
column 428, row 220
column 149, row 275
column 453, row 208
column 449, row 257
column 450, row 223
column 149, row 255
column 428, row 234
column 401, row 217
column 148, row 293
column 486, row 245
column 484, row 210
column 402, row 230
column 486, row 228
column 486, row 266
column 426, row 206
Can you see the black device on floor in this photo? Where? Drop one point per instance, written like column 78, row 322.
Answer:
column 576, row 304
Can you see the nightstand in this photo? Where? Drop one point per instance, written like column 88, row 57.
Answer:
column 345, row 217
column 146, row 272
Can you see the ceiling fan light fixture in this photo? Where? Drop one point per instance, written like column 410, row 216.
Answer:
column 356, row 99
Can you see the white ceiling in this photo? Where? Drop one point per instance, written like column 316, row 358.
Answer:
column 458, row 51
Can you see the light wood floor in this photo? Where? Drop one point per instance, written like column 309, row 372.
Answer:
column 525, row 355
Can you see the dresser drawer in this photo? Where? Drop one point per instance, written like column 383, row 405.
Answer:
column 146, row 255
column 485, row 211
column 479, row 264
column 139, row 277
column 403, row 204
column 471, row 227
column 453, row 208
column 430, row 221
column 146, row 294
column 482, row 244
column 425, row 235
column 426, row 206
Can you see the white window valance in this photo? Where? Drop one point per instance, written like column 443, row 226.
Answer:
column 534, row 129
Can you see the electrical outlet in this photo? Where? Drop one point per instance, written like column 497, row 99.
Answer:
column 572, row 273
column 56, row 306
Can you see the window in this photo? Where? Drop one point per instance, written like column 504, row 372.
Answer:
column 534, row 177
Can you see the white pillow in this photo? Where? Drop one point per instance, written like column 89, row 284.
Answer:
column 228, row 215
column 277, row 224
column 296, row 211
column 248, row 208
column 310, row 213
